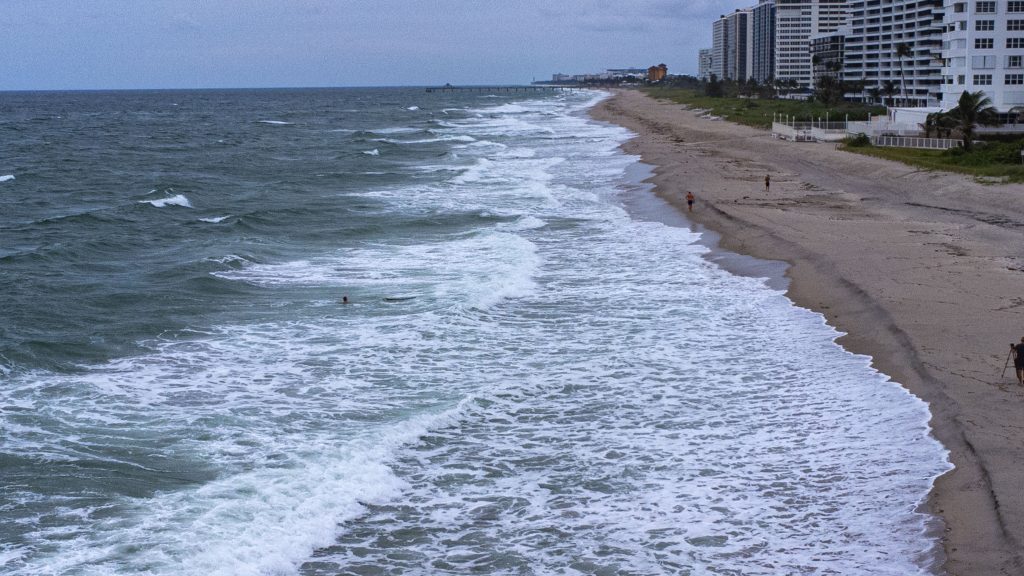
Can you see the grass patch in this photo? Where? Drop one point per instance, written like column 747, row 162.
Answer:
column 759, row 113
column 993, row 162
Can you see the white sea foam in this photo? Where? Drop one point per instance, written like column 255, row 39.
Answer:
column 524, row 223
column 396, row 130
column 413, row 108
column 456, row 138
column 276, row 122
column 571, row 390
column 374, row 152
column 176, row 200
column 232, row 259
column 7, row 178
column 474, row 272
column 215, row 219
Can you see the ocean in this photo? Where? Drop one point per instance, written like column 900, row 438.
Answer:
column 529, row 376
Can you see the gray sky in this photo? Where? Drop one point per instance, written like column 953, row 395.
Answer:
column 83, row 44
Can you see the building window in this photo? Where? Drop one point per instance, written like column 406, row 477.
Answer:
column 1014, row 80
column 1015, row 25
column 1015, row 61
column 983, row 62
column 960, row 79
column 985, row 7
column 983, row 43
column 982, row 79
column 984, row 25
column 1015, row 42
column 1014, row 6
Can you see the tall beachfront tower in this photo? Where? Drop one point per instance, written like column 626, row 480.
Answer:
column 984, row 50
column 796, row 21
column 719, row 39
column 895, row 47
column 763, row 62
column 732, row 50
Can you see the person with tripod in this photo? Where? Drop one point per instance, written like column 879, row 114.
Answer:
column 1017, row 352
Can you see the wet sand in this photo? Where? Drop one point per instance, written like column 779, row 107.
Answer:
column 923, row 271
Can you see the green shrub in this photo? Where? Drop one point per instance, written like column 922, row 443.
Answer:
column 858, row 141
column 988, row 154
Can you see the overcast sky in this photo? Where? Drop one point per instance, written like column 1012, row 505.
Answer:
column 92, row 44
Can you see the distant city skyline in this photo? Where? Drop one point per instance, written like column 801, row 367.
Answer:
column 112, row 44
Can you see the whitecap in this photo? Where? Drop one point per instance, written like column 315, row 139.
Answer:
column 395, row 130
column 373, row 152
column 6, row 177
column 215, row 220
column 232, row 259
column 523, row 223
column 178, row 200
column 427, row 140
column 276, row 122
column 413, row 108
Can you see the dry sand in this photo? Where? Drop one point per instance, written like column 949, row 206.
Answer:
column 923, row 271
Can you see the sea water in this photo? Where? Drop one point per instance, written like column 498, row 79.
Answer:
column 526, row 379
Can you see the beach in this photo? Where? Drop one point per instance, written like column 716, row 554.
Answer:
column 921, row 270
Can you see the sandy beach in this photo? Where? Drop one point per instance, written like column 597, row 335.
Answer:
column 922, row 270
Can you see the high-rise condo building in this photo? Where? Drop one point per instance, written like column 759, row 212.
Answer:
column 733, row 45
column 796, row 21
column 763, row 38
column 983, row 49
column 704, row 62
column 895, row 48
column 719, row 39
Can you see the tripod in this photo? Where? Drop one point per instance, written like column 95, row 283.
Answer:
column 1007, row 363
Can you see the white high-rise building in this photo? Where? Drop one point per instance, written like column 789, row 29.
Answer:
column 796, row 21
column 895, row 49
column 704, row 63
column 983, row 49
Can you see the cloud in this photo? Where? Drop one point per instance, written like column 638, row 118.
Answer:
column 166, row 43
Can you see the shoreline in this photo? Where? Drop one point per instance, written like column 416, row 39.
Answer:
column 650, row 206
column 920, row 270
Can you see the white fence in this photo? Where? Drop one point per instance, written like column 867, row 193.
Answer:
column 880, row 130
column 880, row 126
column 809, row 131
column 914, row 142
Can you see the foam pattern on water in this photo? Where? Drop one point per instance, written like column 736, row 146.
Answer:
column 555, row 388
column 647, row 432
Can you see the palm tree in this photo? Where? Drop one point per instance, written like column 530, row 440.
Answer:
column 889, row 88
column 1017, row 112
column 931, row 122
column 903, row 51
column 972, row 109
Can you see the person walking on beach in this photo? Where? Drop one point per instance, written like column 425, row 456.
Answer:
column 1017, row 351
column 767, row 181
column 689, row 201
